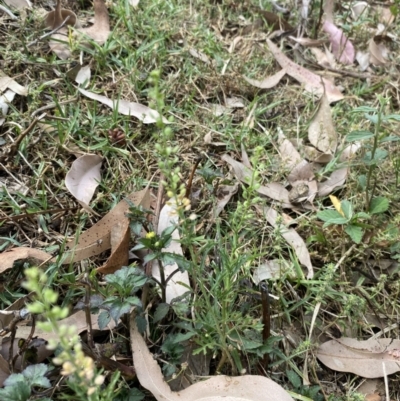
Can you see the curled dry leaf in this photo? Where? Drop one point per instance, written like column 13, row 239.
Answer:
column 58, row 41
column 5, row 100
column 83, row 76
column 342, row 48
column 143, row 113
column 321, row 132
column 8, row 83
column 378, row 52
column 363, row 358
column 8, row 258
column 273, row 190
column 324, row 58
column 83, row 178
column 97, row 239
column 314, row 155
column 359, row 9
column 363, row 60
column 312, row 82
column 179, row 283
column 18, row 4
column 268, row 82
column 292, row 238
column 119, row 239
column 100, row 30
column 290, row 157
column 218, row 388
column 225, row 193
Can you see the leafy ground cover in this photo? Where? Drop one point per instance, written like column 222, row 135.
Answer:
column 212, row 182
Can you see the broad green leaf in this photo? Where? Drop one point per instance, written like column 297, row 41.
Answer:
column 359, row 136
column 329, row 214
column 160, row 312
column 355, row 233
column 183, row 337
column 103, row 319
column 294, row 378
column 35, row 375
column 118, row 309
column 395, row 117
column 20, row 392
column 347, row 209
column 379, row 205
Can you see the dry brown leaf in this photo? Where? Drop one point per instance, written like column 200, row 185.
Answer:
column 100, row 30
column 321, row 132
column 84, row 177
column 199, row 55
column 342, row 47
column 143, row 113
column 218, row 388
column 58, row 42
column 55, row 18
column 290, row 157
column 179, row 284
column 224, row 193
column 314, row 155
column 338, row 177
column 292, row 238
column 97, row 239
column 8, row 83
column 363, row 358
column 312, row 82
column 5, row 100
column 119, row 238
column 378, row 52
column 268, row 82
column 359, row 9
column 18, row 4
column 273, row 190
column 8, row 258
column 324, row 58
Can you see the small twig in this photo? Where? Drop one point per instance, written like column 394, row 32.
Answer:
column 190, row 181
column 25, row 215
column 14, row 147
column 87, row 312
column 266, row 313
column 48, row 33
column 7, row 11
column 52, row 106
column 26, row 343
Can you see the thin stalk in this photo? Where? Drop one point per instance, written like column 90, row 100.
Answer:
column 372, row 166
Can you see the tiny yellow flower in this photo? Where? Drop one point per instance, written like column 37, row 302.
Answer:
column 150, row 235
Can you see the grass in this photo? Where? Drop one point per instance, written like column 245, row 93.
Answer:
column 226, row 307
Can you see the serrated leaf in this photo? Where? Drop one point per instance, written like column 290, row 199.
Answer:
column 118, row 309
column 379, row 205
column 355, row 233
column 160, row 312
column 359, row 136
column 14, row 379
column 21, row 392
column 103, row 319
column 35, row 375
column 141, row 323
